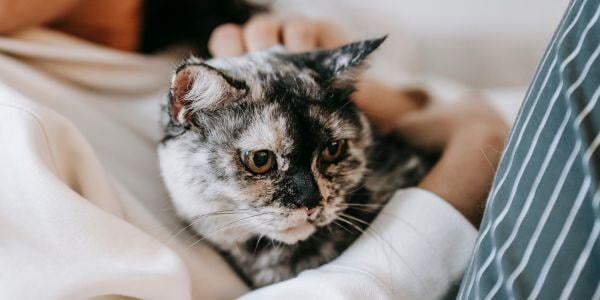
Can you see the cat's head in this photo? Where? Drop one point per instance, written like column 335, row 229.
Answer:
column 268, row 144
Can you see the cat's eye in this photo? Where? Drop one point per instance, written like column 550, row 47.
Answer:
column 333, row 151
column 258, row 162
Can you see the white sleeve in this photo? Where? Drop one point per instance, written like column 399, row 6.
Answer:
column 416, row 248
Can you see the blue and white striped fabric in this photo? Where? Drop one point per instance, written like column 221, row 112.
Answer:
column 539, row 235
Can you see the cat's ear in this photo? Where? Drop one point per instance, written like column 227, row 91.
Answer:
column 341, row 66
column 197, row 87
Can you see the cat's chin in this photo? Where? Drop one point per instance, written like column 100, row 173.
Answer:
column 293, row 234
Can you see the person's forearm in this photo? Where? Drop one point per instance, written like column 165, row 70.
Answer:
column 17, row 14
column 470, row 158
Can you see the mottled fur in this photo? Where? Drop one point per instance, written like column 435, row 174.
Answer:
column 292, row 105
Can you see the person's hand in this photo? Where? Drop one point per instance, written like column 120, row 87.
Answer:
column 470, row 135
column 296, row 33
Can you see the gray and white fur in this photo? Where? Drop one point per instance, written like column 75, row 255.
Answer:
column 304, row 211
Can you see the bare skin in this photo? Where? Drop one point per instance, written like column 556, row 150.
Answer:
column 471, row 136
column 17, row 14
column 112, row 23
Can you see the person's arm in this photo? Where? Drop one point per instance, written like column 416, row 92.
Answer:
column 17, row 14
column 112, row 23
column 470, row 135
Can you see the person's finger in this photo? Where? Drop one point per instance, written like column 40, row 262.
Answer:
column 262, row 32
column 330, row 35
column 385, row 105
column 424, row 128
column 300, row 35
column 226, row 40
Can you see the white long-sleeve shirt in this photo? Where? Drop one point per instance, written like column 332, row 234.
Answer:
column 83, row 212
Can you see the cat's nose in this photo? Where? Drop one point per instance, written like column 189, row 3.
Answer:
column 307, row 192
column 312, row 200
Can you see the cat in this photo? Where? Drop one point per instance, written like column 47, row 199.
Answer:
column 267, row 159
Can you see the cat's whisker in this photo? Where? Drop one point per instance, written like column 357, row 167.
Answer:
column 487, row 159
column 206, row 236
column 329, row 228
column 351, row 224
column 195, row 219
column 356, row 188
column 370, row 208
column 248, row 230
column 355, row 219
column 342, row 226
column 371, row 114
column 180, row 231
column 363, row 204
column 223, row 212
column 370, row 230
column 166, row 226
column 390, row 215
column 343, row 105
column 367, row 231
column 226, row 226
column 258, row 242
column 365, row 208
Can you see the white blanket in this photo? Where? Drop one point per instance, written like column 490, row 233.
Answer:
column 83, row 212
